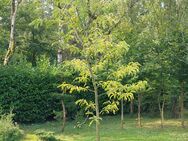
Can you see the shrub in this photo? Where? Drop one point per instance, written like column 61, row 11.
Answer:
column 9, row 131
column 46, row 136
column 28, row 90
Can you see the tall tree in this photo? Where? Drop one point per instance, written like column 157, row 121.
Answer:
column 14, row 7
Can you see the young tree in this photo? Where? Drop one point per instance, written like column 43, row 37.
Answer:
column 141, row 88
column 120, row 90
column 88, row 32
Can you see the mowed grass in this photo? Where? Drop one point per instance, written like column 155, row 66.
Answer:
column 110, row 130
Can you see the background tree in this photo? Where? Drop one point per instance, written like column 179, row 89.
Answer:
column 14, row 6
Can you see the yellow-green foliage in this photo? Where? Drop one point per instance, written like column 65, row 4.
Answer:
column 116, row 90
column 126, row 70
column 72, row 88
column 89, row 106
column 140, row 86
column 81, row 67
column 110, row 106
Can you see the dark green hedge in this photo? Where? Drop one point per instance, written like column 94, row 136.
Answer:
column 28, row 91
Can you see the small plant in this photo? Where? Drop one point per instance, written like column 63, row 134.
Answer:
column 8, row 130
column 46, row 136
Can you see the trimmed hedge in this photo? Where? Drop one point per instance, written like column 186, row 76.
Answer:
column 28, row 91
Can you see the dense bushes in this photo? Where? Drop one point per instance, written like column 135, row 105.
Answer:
column 8, row 130
column 33, row 95
column 28, row 91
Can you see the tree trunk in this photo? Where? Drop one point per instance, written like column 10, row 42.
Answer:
column 122, row 115
column 12, row 46
column 64, row 115
column 161, row 109
column 96, row 102
column 162, row 117
column 175, row 110
column 59, row 61
column 182, row 104
column 131, row 107
column 59, row 56
column 139, row 110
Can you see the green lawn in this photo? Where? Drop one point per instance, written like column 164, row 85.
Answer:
column 110, row 131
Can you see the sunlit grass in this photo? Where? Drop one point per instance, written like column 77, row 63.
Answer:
column 30, row 137
column 110, row 130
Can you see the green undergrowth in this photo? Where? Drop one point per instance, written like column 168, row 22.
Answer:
column 110, row 130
